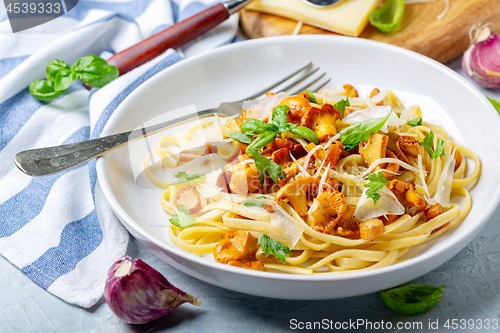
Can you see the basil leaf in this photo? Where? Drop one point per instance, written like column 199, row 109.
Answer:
column 257, row 202
column 64, row 79
column 243, row 138
column 98, row 76
column 279, row 115
column 85, row 62
column 183, row 219
column 54, row 67
column 278, row 249
column 43, row 90
column 262, row 140
column 92, row 70
column 306, row 133
column 496, row 104
column 415, row 122
column 354, row 134
column 254, row 127
column 413, row 298
column 272, row 127
column 429, row 142
column 286, row 127
column 376, row 183
column 183, row 177
column 389, row 16
column 95, row 71
column 311, row 96
column 341, row 105
column 264, row 165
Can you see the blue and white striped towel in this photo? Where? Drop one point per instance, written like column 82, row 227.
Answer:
column 59, row 230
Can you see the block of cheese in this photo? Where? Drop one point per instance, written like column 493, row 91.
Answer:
column 348, row 17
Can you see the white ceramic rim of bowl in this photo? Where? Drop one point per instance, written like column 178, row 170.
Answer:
column 454, row 246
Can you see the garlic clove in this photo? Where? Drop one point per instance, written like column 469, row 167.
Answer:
column 137, row 293
column 481, row 61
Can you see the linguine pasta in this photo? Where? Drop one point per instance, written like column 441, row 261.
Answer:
column 364, row 182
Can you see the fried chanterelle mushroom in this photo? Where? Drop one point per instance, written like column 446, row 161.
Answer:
column 298, row 192
column 322, row 121
column 327, row 210
column 433, row 211
column 394, row 146
column 348, row 226
column 244, row 179
column 407, row 196
column 392, row 168
column 238, row 249
column 374, row 148
column 371, row 229
column 409, row 145
column 189, row 197
column 297, row 107
column 332, row 154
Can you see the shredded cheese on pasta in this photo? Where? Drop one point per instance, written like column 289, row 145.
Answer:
column 315, row 252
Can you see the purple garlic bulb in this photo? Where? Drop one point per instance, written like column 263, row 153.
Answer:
column 138, row 294
column 481, row 61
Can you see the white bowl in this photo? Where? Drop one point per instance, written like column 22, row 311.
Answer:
column 235, row 71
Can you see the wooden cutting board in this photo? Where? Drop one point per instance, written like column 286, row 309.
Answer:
column 420, row 31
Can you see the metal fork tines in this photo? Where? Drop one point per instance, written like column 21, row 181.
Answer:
column 304, row 74
column 50, row 160
column 309, row 77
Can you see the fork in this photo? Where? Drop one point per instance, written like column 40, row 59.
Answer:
column 51, row 160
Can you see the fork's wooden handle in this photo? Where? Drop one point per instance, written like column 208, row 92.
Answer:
column 172, row 37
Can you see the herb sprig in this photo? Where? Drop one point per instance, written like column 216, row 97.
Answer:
column 341, row 105
column 268, row 131
column 183, row 177
column 312, row 98
column 183, row 219
column 428, row 143
column 354, row 134
column 263, row 165
column 241, row 137
column 278, row 249
column 376, row 183
column 415, row 122
column 90, row 69
column 257, row 202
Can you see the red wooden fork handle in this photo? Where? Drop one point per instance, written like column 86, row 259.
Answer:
column 172, row 37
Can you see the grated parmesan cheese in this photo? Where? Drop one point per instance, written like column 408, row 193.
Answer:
column 301, row 168
column 310, row 154
column 422, row 175
column 379, row 97
column 323, row 179
column 387, row 204
column 329, row 142
column 387, row 160
column 443, row 191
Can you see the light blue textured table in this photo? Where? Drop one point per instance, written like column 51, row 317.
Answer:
column 472, row 280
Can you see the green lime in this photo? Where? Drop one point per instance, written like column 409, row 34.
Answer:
column 389, row 16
